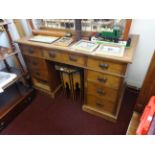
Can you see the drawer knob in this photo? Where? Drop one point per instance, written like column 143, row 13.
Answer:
column 31, row 50
column 72, row 58
column 52, row 54
column 37, row 73
column 2, row 124
column 100, row 91
column 104, row 66
column 33, row 62
column 102, row 79
column 99, row 105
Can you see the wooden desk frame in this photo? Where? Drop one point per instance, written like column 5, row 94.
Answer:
column 116, row 71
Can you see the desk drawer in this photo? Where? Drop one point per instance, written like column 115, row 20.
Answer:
column 100, row 104
column 105, row 79
column 54, row 55
column 105, row 65
column 42, row 75
column 75, row 59
column 65, row 57
column 41, row 84
column 37, row 67
column 103, row 92
column 32, row 51
column 35, row 63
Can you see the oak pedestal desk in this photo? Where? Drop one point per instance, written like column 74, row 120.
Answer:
column 103, row 75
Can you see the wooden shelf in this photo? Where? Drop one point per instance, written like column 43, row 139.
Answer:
column 6, row 52
column 16, row 71
column 13, row 101
column 11, row 98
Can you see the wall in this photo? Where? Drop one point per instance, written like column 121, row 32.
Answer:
column 146, row 46
column 26, row 27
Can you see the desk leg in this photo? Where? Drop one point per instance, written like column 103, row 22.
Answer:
column 72, row 86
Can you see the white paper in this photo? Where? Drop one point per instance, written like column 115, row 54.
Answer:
column 1, row 90
column 6, row 78
column 45, row 39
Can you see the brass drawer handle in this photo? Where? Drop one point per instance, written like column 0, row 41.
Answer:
column 33, row 62
column 99, row 105
column 2, row 124
column 73, row 58
column 37, row 73
column 52, row 54
column 104, row 66
column 100, row 91
column 102, row 79
column 31, row 50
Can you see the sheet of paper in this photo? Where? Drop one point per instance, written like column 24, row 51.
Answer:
column 45, row 39
column 6, row 78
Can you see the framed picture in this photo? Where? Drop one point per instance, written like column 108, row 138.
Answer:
column 111, row 50
column 85, row 45
column 64, row 41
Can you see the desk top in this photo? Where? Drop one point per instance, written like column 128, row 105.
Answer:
column 127, row 57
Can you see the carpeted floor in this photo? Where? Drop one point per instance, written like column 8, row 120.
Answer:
column 62, row 116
